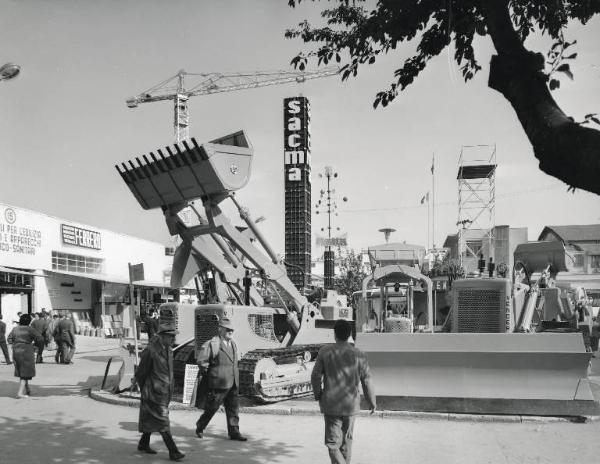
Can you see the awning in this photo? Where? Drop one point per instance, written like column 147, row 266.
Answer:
column 18, row 271
column 83, row 275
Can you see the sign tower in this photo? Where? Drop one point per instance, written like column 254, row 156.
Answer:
column 296, row 146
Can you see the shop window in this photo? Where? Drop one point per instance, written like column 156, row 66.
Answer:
column 76, row 263
column 595, row 262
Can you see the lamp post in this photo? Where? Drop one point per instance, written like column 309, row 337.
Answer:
column 9, row 71
column 330, row 207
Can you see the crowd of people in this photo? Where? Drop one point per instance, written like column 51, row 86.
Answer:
column 30, row 336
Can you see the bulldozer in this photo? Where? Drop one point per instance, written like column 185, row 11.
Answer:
column 508, row 346
column 278, row 341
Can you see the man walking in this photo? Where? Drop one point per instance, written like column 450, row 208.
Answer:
column 154, row 375
column 41, row 325
column 338, row 370
column 3, row 344
column 218, row 361
column 65, row 341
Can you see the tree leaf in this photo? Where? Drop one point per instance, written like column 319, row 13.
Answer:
column 565, row 68
column 554, row 84
column 570, row 57
column 596, row 120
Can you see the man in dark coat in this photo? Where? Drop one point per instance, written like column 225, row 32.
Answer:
column 154, row 375
column 65, row 340
column 3, row 344
column 41, row 325
column 218, row 361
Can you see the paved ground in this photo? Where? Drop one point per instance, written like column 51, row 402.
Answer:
column 61, row 424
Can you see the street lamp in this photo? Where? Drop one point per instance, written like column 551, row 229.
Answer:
column 330, row 207
column 9, row 71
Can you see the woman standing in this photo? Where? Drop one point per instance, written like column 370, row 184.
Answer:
column 23, row 338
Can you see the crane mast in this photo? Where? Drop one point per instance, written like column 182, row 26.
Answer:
column 174, row 88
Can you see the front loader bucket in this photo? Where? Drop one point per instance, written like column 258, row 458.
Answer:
column 536, row 256
column 542, row 373
column 212, row 170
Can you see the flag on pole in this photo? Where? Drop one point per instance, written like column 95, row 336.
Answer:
column 425, row 198
column 432, row 163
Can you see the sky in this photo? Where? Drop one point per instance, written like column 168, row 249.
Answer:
column 64, row 123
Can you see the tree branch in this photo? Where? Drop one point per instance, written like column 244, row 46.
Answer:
column 565, row 149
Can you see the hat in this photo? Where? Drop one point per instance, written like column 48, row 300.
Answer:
column 226, row 324
column 167, row 328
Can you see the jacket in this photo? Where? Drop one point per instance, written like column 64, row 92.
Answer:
column 2, row 332
column 154, row 375
column 63, row 332
column 339, row 369
column 218, row 364
column 41, row 325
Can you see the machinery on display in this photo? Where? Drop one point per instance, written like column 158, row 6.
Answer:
column 511, row 346
column 278, row 342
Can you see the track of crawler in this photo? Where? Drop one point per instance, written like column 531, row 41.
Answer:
column 281, row 388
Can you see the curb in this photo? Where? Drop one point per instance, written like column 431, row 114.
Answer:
column 110, row 398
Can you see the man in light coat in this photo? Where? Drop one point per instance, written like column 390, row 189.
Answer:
column 218, row 362
column 338, row 371
column 154, row 375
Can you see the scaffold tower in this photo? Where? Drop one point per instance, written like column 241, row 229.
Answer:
column 476, row 200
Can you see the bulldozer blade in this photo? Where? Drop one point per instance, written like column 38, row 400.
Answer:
column 181, row 175
column 485, row 368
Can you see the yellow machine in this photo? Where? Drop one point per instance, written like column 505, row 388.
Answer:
column 507, row 348
column 278, row 341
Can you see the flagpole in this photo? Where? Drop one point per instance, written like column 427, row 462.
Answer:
column 427, row 219
column 433, row 200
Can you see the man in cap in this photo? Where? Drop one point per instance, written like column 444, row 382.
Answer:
column 218, row 361
column 154, row 375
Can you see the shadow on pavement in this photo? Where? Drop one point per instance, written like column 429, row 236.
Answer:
column 35, row 441
column 80, row 442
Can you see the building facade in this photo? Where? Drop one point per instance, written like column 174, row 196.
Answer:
column 63, row 266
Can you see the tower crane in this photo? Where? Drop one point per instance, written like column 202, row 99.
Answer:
column 174, row 88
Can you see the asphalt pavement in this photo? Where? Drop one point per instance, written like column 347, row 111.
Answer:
column 60, row 423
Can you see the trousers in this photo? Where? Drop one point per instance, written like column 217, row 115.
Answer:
column 338, row 438
column 228, row 398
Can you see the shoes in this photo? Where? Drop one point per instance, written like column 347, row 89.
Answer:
column 9, row 363
column 146, row 449
column 22, row 396
column 199, row 433
column 238, row 437
column 177, row 456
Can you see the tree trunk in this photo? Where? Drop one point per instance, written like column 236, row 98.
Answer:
column 565, row 149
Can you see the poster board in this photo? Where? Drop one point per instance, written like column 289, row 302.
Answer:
column 189, row 383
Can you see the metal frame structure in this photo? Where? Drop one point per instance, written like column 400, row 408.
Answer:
column 174, row 88
column 476, row 196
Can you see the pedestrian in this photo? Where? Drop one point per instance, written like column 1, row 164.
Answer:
column 65, row 340
column 218, row 362
column 41, row 325
column 51, row 326
column 154, row 375
column 3, row 344
column 152, row 324
column 22, row 338
column 335, row 377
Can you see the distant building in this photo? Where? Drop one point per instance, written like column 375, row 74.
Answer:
column 582, row 243
column 505, row 242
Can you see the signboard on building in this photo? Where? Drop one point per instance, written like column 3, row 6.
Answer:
column 77, row 236
column 296, row 165
column 18, row 236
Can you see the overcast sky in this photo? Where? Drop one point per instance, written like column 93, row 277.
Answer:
column 64, row 123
